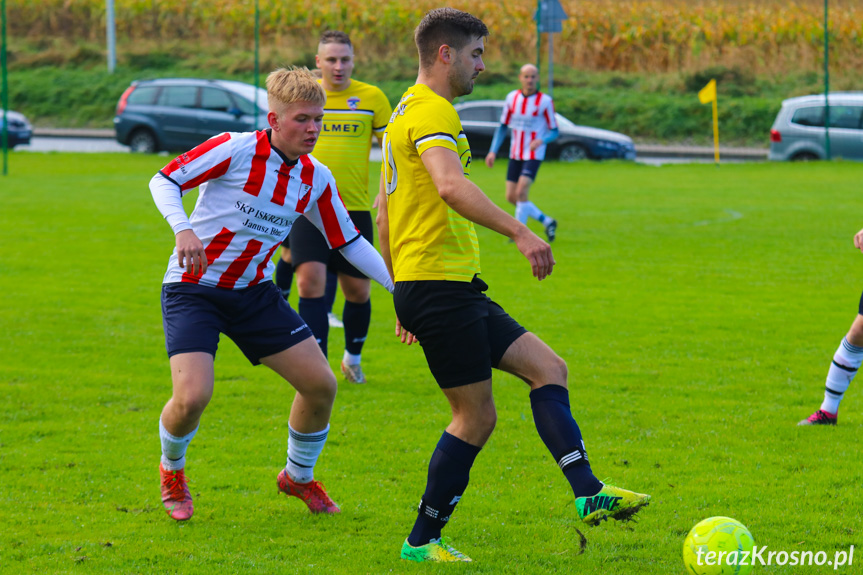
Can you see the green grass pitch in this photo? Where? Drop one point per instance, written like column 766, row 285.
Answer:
column 698, row 309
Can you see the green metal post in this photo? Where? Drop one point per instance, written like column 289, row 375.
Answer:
column 538, row 38
column 827, row 80
column 4, row 87
column 257, row 61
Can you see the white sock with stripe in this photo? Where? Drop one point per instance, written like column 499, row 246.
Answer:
column 846, row 362
column 303, row 452
column 521, row 212
column 174, row 448
column 535, row 213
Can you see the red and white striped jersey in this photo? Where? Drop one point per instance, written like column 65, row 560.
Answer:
column 529, row 117
column 249, row 196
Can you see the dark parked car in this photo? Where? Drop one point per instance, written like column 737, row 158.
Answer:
column 180, row 113
column 19, row 130
column 480, row 118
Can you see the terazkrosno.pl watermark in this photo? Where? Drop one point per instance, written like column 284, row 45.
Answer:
column 762, row 556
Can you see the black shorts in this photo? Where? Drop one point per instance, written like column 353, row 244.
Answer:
column 308, row 244
column 517, row 168
column 463, row 333
column 257, row 319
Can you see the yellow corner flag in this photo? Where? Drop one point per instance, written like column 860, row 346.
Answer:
column 706, row 95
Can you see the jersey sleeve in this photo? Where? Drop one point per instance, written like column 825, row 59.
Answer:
column 434, row 126
column 506, row 113
column 382, row 109
column 331, row 217
column 207, row 161
column 548, row 113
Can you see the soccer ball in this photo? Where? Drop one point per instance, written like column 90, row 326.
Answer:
column 718, row 546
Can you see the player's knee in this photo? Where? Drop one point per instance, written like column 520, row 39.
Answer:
column 310, row 285
column 189, row 407
column 556, row 371
column 323, row 393
column 484, row 419
column 855, row 334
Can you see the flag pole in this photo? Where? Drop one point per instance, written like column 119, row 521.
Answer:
column 715, row 132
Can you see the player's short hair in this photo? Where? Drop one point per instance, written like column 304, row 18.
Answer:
column 446, row 26
column 335, row 37
column 294, row 84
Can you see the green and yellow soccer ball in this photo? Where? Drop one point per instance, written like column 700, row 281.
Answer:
column 718, row 546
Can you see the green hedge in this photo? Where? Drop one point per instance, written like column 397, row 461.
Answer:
column 642, row 107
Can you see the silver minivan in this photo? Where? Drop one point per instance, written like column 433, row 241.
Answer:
column 799, row 134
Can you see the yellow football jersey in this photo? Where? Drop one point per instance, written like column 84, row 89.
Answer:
column 428, row 240
column 350, row 118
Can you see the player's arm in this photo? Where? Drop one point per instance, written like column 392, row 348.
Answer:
column 383, row 222
column 468, row 200
column 858, row 240
column 363, row 256
column 168, row 197
column 551, row 123
column 547, row 139
column 496, row 141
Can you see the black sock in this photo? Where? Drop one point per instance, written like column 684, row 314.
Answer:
column 284, row 277
column 314, row 312
column 357, row 317
column 560, row 433
column 449, row 472
column 331, row 289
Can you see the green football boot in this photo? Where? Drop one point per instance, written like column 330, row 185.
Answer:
column 611, row 501
column 435, row 550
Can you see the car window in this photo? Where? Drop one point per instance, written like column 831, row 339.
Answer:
column 143, row 96
column 813, row 116
column 245, row 106
column 179, row 96
column 846, row 117
column 479, row 114
column 216, row 100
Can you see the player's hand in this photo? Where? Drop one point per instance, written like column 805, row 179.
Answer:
column 190, row 253
column 534, row 144
column 858, row 240
column 537, row 251
column 490, row 158
column 404, row 335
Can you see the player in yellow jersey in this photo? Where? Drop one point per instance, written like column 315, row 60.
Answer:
column 427, row 208
column 354, row 112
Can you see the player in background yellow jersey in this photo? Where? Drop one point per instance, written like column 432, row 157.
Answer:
column 427, row 208
column 355, row 111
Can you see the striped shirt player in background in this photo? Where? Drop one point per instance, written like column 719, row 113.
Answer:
column 530, row 115
column 354, row 113
column 427, row 208
column 846, row 363
column 253, row 186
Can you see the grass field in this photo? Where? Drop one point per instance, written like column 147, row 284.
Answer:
column 698, row 309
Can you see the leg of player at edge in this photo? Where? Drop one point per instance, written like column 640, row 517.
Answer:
column 846, row 362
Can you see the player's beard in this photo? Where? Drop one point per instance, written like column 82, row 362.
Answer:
column 460, row 82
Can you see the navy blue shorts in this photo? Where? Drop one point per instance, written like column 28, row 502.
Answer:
column 308, row 245
column 517, row 168
column 463, row 333
column 257, row 319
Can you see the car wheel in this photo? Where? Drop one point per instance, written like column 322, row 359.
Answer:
column 142, row 141
column 804, row 157
column 572, row 153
